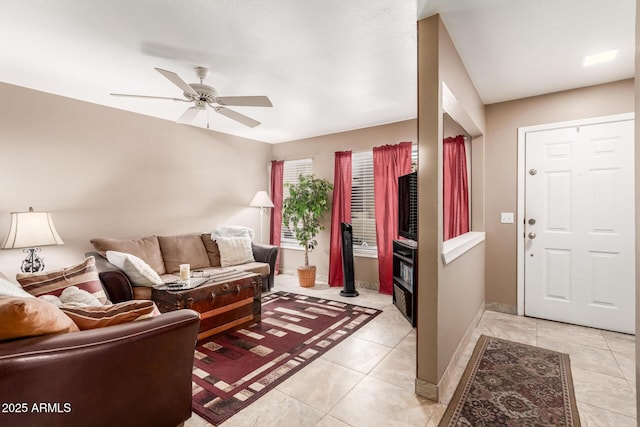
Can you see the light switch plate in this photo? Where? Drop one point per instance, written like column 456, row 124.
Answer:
column 506, row 217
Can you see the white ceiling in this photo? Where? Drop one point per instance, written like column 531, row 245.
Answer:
column 327, row 65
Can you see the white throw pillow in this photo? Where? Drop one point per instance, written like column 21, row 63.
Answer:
column 232, row 231
column 234, row 250
column 10, row 289
column 138, row 271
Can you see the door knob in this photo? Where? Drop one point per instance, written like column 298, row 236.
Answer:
column 531, row 221
column 532, row 235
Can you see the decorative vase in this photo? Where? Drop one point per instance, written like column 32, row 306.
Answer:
column 307, row 276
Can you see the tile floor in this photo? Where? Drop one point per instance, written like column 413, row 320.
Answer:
column 368, row 380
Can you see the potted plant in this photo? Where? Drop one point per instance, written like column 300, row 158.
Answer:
column 308, row 201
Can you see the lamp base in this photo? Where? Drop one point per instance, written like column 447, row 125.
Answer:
column 32, row 263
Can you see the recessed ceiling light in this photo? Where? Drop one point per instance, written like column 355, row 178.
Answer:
column 599, row 58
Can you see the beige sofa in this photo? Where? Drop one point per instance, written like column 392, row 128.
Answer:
column 164, row 254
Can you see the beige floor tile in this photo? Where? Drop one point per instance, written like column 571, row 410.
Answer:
column 447, row 390
column 196, row 421
column 329, row 421
column 377, row 403
column 357, row 354
column 275, row 409
column 571, row 333
column 584, row 357
column 604, row 391
column 620, row 343
column 388, row 328
column 399, row 368
column 627, row 364
column 438, row 412
column 321, row 384
column 505, row 332
column 592, row 416
column 408, row 343
column 503, row 320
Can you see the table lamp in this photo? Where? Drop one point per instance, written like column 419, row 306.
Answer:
column 30, row 230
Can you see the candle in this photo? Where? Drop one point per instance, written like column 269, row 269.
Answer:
column 184, row 272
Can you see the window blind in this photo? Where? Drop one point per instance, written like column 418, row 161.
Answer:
column 291, row 171
column 363, row 219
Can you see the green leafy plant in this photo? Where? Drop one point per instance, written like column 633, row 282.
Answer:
column 308, row 201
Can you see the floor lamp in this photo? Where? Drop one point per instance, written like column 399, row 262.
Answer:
column 263, row 201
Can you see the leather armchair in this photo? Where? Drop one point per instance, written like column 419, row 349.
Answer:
column 134, row 374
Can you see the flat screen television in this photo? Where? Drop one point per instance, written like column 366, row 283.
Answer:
column 408, row 206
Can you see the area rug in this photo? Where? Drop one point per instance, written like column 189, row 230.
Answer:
column 513, row 384
column 234, row 369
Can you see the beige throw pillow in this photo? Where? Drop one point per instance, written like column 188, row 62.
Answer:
column 146, row 248
column 234, row 250
column 9, row 289
column 138, row 271
column 183, row 249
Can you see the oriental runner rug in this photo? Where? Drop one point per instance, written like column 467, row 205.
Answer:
column 512, row 384
column 233, row 369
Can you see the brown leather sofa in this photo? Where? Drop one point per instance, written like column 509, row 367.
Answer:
column 133, row 374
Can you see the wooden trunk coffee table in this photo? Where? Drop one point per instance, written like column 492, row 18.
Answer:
column 227, row 299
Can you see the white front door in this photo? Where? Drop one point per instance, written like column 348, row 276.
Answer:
column 579, row 225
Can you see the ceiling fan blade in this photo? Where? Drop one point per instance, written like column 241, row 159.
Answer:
column 176, row 80
column 148, row 96
column 189, row 115
column 234, row 115
column 245, row 101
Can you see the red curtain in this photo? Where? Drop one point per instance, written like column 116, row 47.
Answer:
column 455, row 187
column 389, row 162
column 277, row 174
column 340, row 212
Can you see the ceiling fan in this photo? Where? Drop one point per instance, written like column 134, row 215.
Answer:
column 203, row 95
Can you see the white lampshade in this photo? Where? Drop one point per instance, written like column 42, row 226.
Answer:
column 31, row 229
column 261, row 200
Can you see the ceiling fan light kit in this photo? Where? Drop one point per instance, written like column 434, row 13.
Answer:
column 203, row 95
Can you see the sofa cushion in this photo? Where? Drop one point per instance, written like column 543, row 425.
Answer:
column 10, row 289
column 183, row 249
column 30, row 317
column 146, row 248
column 138, row 271
column 53, row 282
column 213, row 252
column 260, row 268
column 234, row 250
column 99, row 317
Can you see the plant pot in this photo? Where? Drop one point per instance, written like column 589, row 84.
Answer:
column 307, row 276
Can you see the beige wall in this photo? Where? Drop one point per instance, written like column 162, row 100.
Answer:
column 449, row 297
column 321, row 149
column 107, row 172
column 502, row 123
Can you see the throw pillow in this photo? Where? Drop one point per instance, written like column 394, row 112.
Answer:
column 146, row 248
column 83, row 275
column 138, row 271
column 99, row 317
column 9, row 289
column 73, row 297
column 212, row 249
column 232, row 231
column 30, row 317
column 235, row 250
column 183, row 249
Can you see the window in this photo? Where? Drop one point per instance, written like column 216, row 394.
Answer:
column 363, row 219
column 291, row 171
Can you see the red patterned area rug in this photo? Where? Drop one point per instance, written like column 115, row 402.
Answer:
column 512, row 384
column 233, row 369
